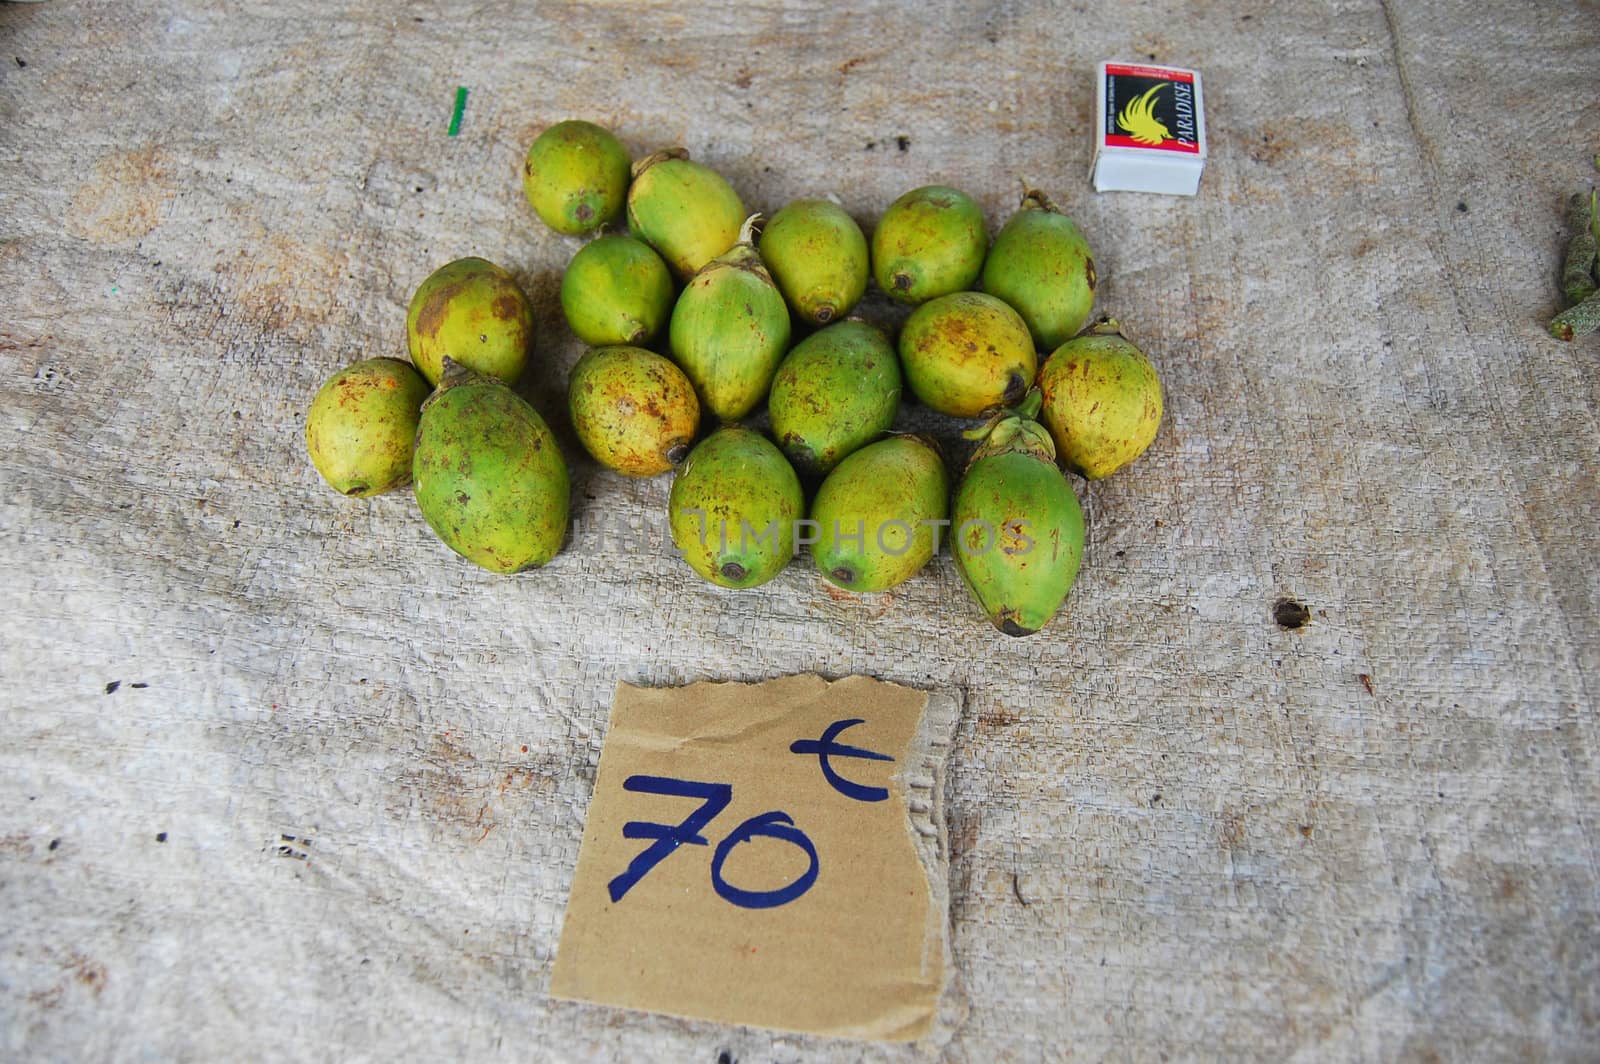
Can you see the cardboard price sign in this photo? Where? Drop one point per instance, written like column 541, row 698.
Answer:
column 767, row 854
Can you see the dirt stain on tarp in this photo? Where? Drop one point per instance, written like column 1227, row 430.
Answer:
column 456, row 790
column 1001, row 716
column 283, row 285
column 90, row 973
column 76, row 968
column 124, row 198
column 1323, row 150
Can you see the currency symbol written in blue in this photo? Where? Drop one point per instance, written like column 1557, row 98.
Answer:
column 827, row 747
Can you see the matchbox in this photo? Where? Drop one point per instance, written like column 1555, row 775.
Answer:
column 1150, row 129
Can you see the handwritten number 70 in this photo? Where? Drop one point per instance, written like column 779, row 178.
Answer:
column 714, row 798
column 774, row 824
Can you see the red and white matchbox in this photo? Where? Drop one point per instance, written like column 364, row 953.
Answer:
column 1149, row 129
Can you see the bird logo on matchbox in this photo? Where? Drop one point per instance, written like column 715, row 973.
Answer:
column 1151, row 108
column 1139, row 120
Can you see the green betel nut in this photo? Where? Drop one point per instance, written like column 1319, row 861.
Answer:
column 818, row 256
column 488, row 475
column 633, row 410
column 576, row 177
column 1102, row 401
column 475, row 313
column 616, row 291
column 1579, row 320
column 1016, row 529
column 1577, row 271
column 730, row 330
column 362, row 425
column 1041, row 265
column 686, row 211
column 878, row 515
column 733, row 508
column 966, row 354
column 929, row 243
column 837, row 391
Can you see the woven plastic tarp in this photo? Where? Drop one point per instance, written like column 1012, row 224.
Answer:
column 282, row 778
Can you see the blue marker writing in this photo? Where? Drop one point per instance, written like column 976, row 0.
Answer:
column 714, row 799
column 826, row 747
column 776, row 825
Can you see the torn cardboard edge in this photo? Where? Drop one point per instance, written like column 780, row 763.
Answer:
column 623, row 953
column 926, row 815
column 926, row 779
